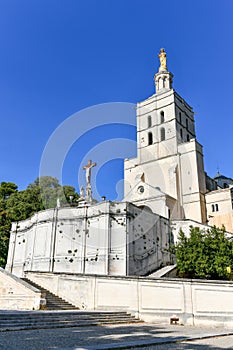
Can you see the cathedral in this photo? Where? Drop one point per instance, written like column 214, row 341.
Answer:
column 166, row 189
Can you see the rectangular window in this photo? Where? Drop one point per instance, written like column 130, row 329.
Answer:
column 180, row 119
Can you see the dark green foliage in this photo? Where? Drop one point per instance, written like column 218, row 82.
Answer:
column 6, row 189
column 204, row 255
column 19, row 205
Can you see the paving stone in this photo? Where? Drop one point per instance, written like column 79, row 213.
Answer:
column 129, row 335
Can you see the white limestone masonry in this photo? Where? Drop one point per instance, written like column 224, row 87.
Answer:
column 194, row 302
column 16, row 294
column 109, row 238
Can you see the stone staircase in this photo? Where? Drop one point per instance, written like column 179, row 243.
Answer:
column 53, row 302
column 28, row 320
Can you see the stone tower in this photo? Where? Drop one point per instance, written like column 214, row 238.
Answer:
column 168, row 173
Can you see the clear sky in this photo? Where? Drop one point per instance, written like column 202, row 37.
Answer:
column 61, row 56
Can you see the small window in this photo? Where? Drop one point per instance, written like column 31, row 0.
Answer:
column 181, row 134
column 162, row 117
column 213, row 207
column 187, row 124
column 180, row 119
column 150, row 138
column 188, row 138
column 162, row 134
column 216, row 207
column 149, row 123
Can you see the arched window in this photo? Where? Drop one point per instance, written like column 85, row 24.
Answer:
column 149, row 122
column 216, row 207
column 181, row 134
column 162, row 117
column 162, row 134
column 213, row 207
column 187, row 124
column 188, row 138
column 150, row 138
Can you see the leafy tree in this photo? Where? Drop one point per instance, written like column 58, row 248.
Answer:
column 205, row 255
column 7, row 188
column 19, row 205
column 5, row 226
column 70, row 194
column 50, row 190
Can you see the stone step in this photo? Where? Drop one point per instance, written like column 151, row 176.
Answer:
column 53, row 302
column 4, row 322
column 60, row 314
column 65, row 323
column 39, row 320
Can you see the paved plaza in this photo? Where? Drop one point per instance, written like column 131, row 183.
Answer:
column 127, row 336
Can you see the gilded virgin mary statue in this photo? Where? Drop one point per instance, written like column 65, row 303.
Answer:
column 163, row 60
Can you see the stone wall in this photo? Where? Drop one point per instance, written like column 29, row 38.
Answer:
column 194, row 302
column 108, row 238
column 16, row 294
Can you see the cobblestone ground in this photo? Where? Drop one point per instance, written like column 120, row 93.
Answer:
column 84, row 337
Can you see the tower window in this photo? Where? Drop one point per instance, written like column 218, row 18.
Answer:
column 150, row 138
column 162, row 117
column 188, row 138
column 215, row 207
column 187, row 124
column 181, row 134
column 149, row 122
column 162, row 134
column 180, row 119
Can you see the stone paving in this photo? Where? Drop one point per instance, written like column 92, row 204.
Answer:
column 225, row 342
column 119, row 337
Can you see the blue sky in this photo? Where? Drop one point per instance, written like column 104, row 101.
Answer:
column 61, row 56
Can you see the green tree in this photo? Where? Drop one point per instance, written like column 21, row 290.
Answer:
column 205, row 255
column 7, row 188
column 50, row 190
column 70, row 194
column 19, row 205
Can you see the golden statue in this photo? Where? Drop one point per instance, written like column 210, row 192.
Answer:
column 163, row 60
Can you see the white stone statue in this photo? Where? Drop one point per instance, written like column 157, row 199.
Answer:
column 82, row 194
column 58, row 203
column 89, row 194
column 88, row 171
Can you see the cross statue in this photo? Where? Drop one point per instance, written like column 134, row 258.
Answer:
column 88, row 171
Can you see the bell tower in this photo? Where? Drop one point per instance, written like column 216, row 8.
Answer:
column 168, row 173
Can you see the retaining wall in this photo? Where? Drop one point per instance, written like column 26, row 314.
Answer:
column 194, row 302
